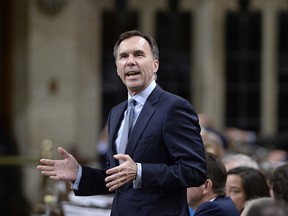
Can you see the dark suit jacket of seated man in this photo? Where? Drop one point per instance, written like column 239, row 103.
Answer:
column 210, row 199
column 220, row 206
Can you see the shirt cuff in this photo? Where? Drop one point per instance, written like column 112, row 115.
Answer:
column 137, row 181
column 75, row 185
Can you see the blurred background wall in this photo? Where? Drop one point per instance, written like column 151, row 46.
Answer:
column 58, row 79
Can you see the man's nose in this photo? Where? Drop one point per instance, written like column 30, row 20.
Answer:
column 130, row 60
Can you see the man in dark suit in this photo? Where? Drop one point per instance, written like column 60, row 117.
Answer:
column 164, row 153
column 210, row 199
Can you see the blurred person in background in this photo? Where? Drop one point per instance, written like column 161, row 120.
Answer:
column 279, row 184
column 268, row 151
column 245, row 183
column 207, row 125
column 273, row 159
column 271, row 209
column 210, row 198
column 278, row 141
column 256, row 203
column 236, row 160
column 213, row 142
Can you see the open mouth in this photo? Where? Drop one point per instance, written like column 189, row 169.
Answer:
column 132, row 73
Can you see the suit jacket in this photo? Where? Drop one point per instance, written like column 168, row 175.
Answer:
column 221, row 206
column 166, row 141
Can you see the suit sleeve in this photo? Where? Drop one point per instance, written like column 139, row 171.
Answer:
column 92, row 182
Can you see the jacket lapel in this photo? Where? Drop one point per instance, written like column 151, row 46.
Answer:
column 116, row 116
column 146, row 114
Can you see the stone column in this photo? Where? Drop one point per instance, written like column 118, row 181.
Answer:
column 269, row 99
column 147, row 10
column 208, row 78
column 269, row 92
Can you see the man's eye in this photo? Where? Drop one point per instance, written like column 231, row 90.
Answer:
column 123, row 57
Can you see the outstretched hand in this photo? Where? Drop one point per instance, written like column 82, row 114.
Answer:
column 121, row 174
column 65, row 169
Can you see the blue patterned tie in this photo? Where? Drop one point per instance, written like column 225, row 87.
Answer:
column 128, row 124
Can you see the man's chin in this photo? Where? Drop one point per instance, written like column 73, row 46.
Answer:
column 133, row 89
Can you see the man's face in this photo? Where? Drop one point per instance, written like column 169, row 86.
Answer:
column 135, row 64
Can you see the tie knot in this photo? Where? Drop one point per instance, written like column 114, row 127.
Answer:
column 132, row 103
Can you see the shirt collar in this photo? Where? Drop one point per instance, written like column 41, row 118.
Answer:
column 142, row 96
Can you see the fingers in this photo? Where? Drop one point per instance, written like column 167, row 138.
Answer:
column 113, row 170
column 121, row 174
column 47, row 162
column 64, row 169
column 115, row 180
column 116, row 183
column 116, row 175
column 45, row 168
column 50, row 162
column 63, row 152
column 51, row 175
column 123, row 157
column 48, row 173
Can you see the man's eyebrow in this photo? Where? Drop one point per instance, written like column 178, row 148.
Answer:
column 133, row 51
column 122, row 53
column 139, row 51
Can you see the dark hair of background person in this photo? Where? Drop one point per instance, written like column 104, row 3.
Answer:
column 254, row 182
column 216, row 172
column 279, row 183
column 129, row 34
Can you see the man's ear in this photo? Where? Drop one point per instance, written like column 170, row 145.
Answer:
column 207, row 186
column 156, row 65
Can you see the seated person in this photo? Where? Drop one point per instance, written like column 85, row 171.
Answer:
column 271, row 209
column 245, row 183
column 279, row 184
column 258, row 202
column 210, row 198
column 236, row 160
column 276, row 141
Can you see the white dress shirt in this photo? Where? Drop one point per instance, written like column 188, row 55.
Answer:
column 141, row 99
